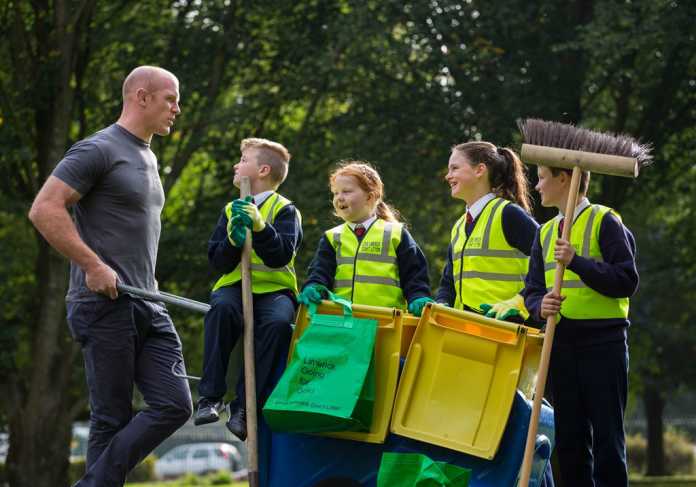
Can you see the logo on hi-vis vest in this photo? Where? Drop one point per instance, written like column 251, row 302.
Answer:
column 371, row 247
column 474, row 242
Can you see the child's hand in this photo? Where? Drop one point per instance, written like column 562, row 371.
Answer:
column 564, row 252
column 236, row 229
column 509, row 308
column 311, row 294
column 416, row 306
column 251, row 210
column 551, row 305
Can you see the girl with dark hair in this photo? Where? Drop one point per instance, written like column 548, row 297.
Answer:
column 490, row 244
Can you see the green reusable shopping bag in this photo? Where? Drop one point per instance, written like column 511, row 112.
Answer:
column 329, row 384
column 417, row 470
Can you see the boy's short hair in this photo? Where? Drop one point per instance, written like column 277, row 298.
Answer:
column 273, row 154
column 584, row 177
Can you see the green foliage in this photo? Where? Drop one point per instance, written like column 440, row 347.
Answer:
column 16, row 284
column 679, row 453
column 671, row 481
column 221, row 478
column 77, row 470
column 144, row 471
column 192, row 480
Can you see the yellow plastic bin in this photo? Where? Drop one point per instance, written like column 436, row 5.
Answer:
column 409, row 325
column 459, row 380
column 530, row 362
column 387, row 348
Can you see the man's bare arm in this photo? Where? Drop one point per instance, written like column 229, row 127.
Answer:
column 49, row 214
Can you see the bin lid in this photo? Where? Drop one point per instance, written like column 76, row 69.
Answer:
column 459, row 380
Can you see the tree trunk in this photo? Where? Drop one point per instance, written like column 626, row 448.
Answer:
column 654, row 408
column 41, row 420
column 39, row 447
column 41, row 397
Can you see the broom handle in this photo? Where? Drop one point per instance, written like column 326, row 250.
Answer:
column 550, row 331
column 249, row 361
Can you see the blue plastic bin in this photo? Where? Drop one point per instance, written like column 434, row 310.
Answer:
column 293, row 460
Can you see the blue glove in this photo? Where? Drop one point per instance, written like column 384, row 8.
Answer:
column 416, row 306
column 312, row 293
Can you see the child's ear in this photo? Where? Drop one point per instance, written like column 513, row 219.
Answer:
column 264, row 170
column 480, row 169
column 564, row 178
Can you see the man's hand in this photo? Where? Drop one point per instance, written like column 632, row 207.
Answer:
column 102, row 279
column 564, row 252
column 245, row 206
column 550, row 304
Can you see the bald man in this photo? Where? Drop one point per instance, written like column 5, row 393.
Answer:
column 111, row 183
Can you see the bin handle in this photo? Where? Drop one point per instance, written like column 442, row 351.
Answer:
column 488, row 332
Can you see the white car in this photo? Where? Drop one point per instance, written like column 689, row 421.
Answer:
column 4, row 446
column 199, row 459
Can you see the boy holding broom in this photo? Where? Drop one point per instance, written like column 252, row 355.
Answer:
column 589, row 358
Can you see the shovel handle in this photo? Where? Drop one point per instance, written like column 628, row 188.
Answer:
column 172, row 299
column 249, row 360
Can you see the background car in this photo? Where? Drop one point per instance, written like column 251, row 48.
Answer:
column 4, row 446
column 199, row 458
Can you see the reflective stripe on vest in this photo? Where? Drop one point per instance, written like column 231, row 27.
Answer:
column 367, row 271
column 485, row 268
column 581, row 301
column 265, row 279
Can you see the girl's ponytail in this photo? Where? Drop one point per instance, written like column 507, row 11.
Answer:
column 386, row 212
column 514, row 186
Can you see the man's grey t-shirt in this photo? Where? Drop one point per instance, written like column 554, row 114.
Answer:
column 118, row 216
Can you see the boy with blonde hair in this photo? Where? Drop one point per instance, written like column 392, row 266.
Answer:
column 588, row 371
column 277, row 233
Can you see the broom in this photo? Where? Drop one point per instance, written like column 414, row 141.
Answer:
column 554, row 144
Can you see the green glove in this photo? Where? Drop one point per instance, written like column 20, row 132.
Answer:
column 251, row 210
column 312, row 293
column 236, row 229
column 506, row 309
column 416, row 306
column 244, row 218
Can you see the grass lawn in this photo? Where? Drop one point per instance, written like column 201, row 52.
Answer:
column 635, row 481
column 186, row 482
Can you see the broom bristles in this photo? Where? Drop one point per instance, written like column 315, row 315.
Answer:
column 565, row 136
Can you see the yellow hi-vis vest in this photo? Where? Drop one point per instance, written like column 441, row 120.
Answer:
column 581, row 301
column 264, row 279
column 485, row 268
column 366, row 270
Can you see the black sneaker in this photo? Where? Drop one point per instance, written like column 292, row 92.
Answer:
column 207, row 411
column 237, row 424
